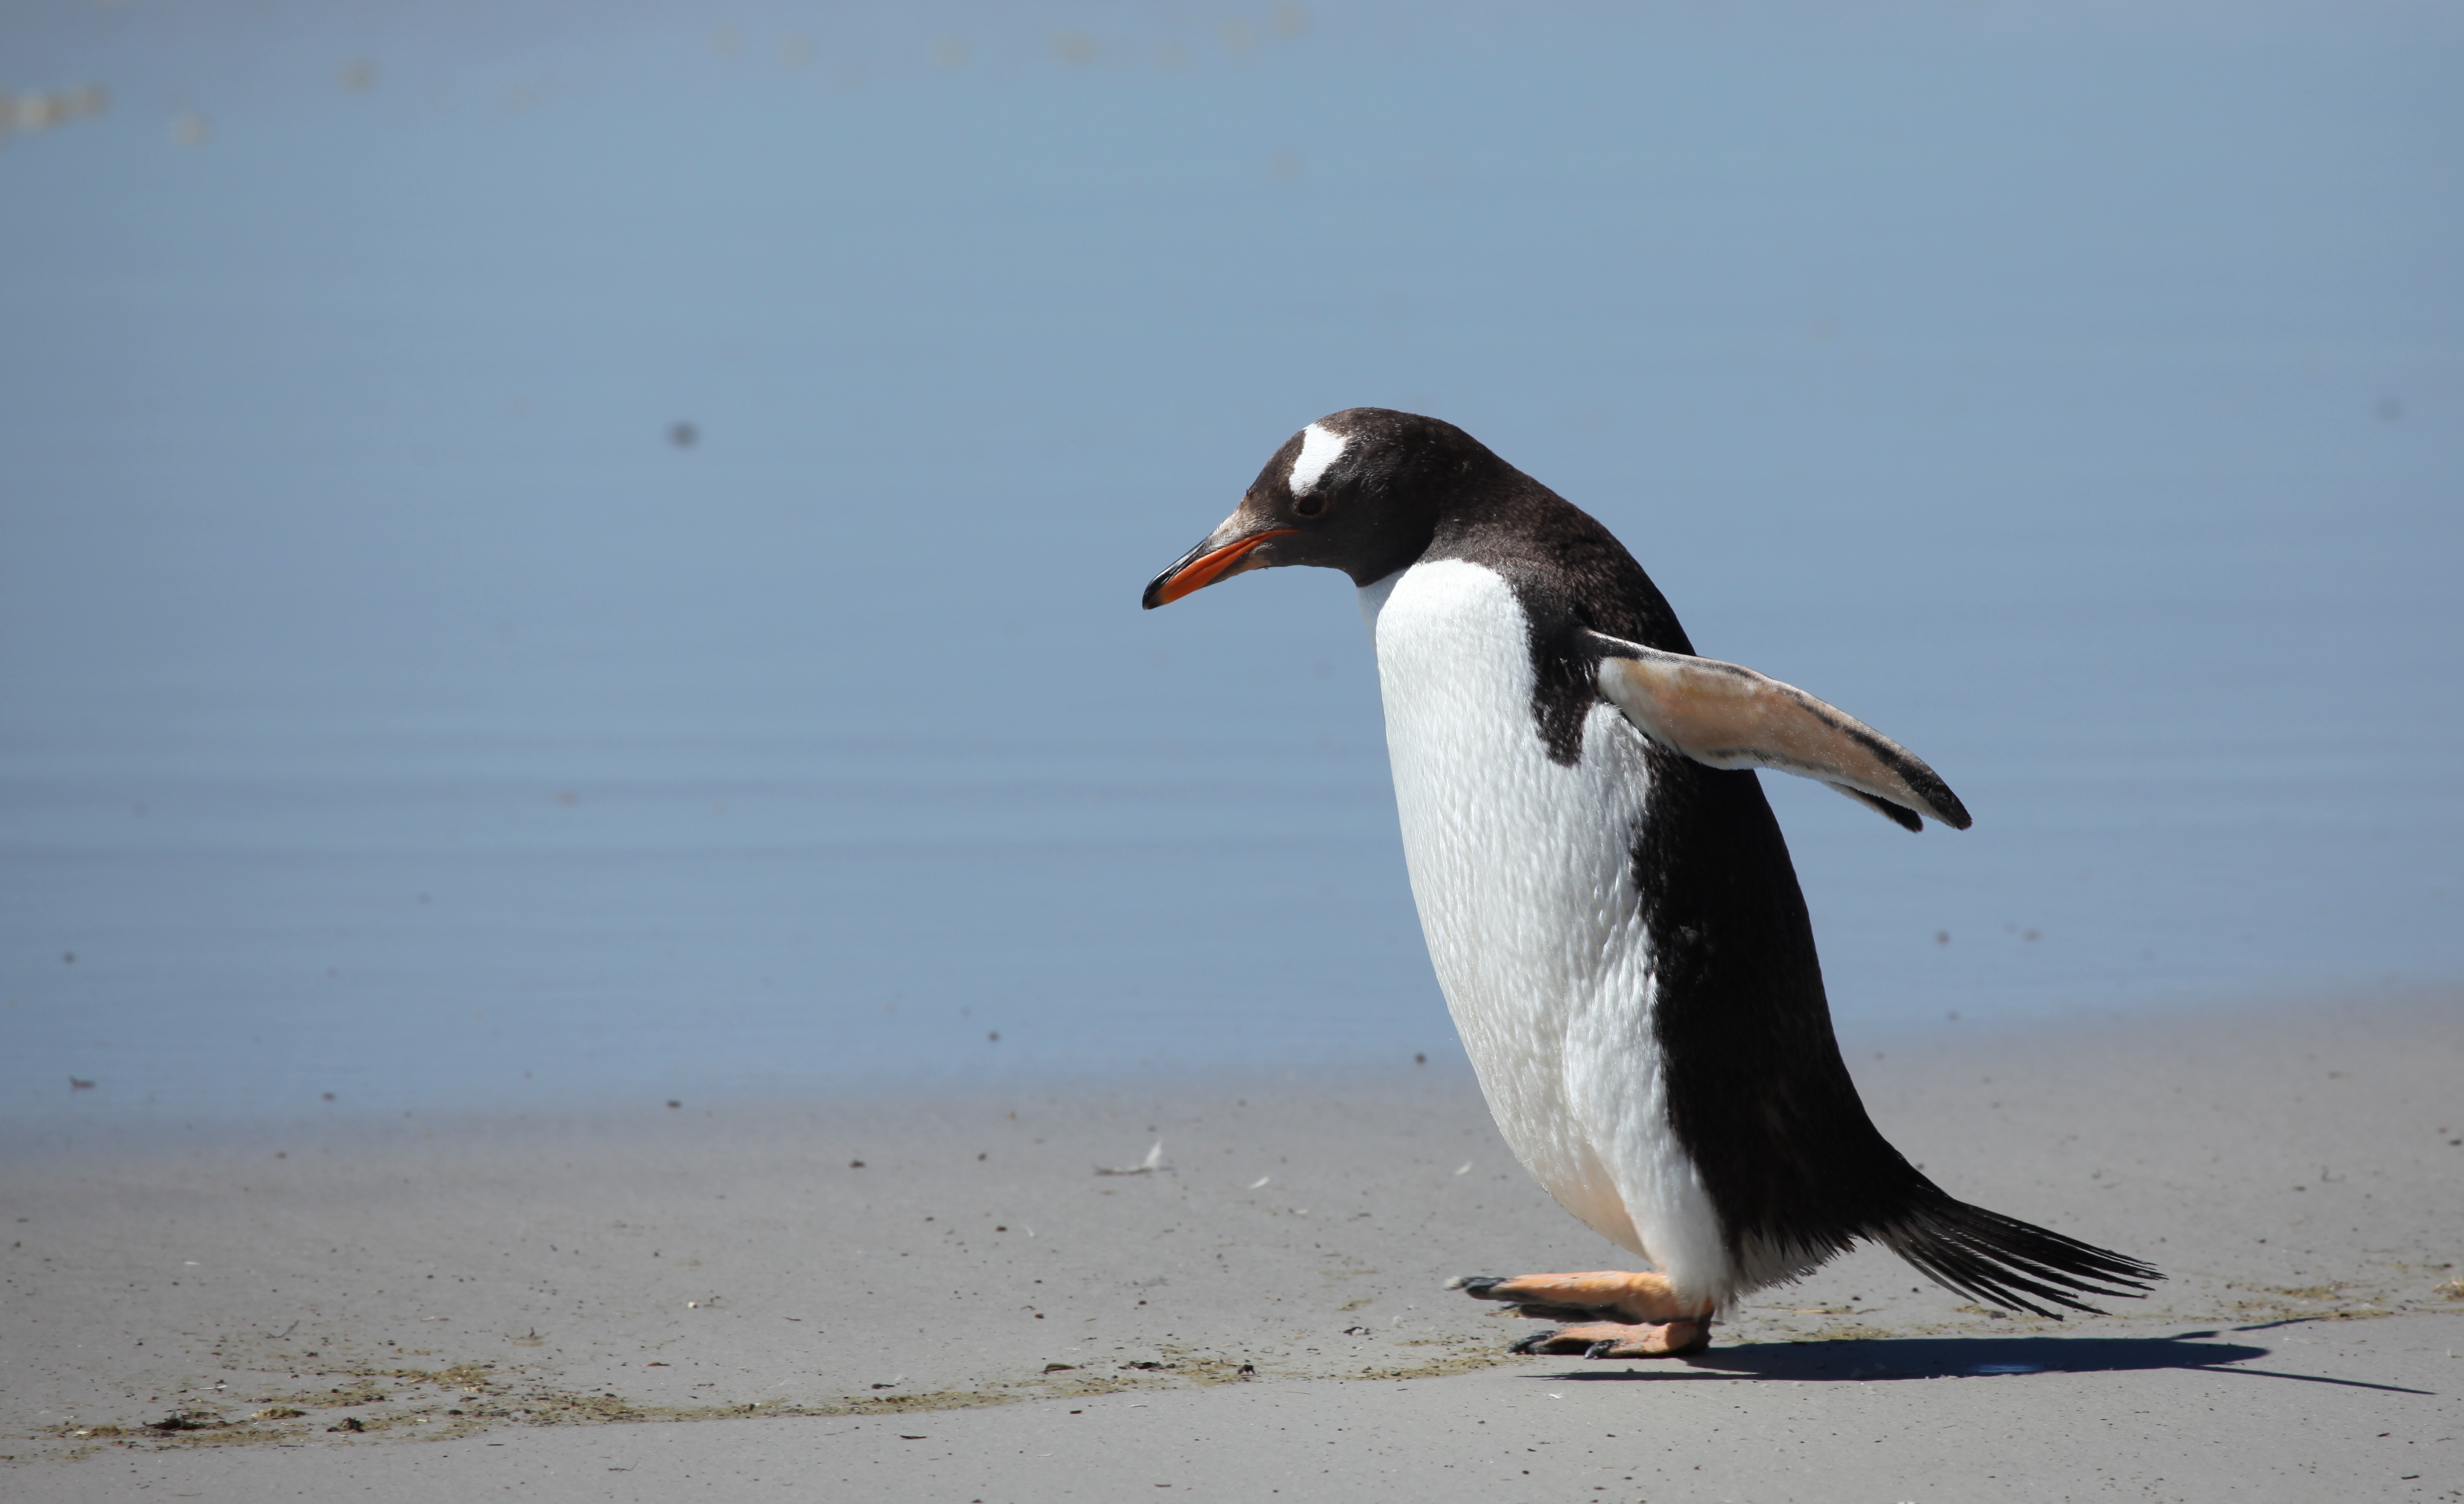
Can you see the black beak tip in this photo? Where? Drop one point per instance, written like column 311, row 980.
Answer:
column 1154, row 596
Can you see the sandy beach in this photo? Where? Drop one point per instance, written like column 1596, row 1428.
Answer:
column 940, row 1299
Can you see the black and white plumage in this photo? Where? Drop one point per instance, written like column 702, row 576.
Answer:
column 1607, row 898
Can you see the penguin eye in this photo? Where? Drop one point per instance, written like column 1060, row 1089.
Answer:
column 1309, row 505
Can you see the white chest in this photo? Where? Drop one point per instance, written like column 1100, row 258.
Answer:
column 1520, row 865
column 1521, row 871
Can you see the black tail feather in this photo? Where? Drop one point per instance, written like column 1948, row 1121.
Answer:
column 2003, row 1261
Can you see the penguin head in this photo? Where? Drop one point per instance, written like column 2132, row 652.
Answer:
column 1362, row 491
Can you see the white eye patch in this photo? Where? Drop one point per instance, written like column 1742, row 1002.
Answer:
column 1319, row 450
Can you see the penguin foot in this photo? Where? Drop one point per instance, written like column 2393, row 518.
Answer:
column 1623, row 1339
column 1612, row 1313
column 1614, row 1296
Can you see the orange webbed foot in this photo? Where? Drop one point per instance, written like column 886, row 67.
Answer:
column 1611, row 1314
column 1622, row 1338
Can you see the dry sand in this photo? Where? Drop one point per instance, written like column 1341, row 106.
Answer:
column 423, row 1310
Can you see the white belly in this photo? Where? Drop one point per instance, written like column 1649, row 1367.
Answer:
column 1522, row 873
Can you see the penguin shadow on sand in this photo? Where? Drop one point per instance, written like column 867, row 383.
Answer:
column 1871, row 1360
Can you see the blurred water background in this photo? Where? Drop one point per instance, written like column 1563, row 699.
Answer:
column 556, row 551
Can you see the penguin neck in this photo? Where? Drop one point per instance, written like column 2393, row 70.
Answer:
column 1373, row 600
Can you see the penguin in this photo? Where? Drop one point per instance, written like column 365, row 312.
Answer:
column 1608, row 902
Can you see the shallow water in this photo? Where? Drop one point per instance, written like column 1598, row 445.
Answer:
column 393, row 706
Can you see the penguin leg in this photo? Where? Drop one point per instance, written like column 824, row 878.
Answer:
column 1611, row 1294
column 1622, row 1338
column 1613, row 1314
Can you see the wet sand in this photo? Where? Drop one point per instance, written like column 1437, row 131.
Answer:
column 388, row 1310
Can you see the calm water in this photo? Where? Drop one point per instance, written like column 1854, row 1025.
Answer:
column 392, row 706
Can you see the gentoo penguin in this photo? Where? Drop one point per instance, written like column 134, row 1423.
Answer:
column 1606, row 899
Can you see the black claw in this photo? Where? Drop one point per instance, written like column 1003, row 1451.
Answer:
column 1477, row 1286
column 1533, row 1343
column 1599, row 1349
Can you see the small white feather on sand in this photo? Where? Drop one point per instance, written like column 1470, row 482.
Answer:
column 1153, row 1162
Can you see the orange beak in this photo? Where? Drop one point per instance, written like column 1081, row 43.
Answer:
column 1198, row 568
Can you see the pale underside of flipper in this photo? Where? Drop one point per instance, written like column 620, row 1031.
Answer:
column 1726, row 715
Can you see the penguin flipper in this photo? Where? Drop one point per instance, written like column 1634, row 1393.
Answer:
column 1726, row 715
column 1900, row 815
